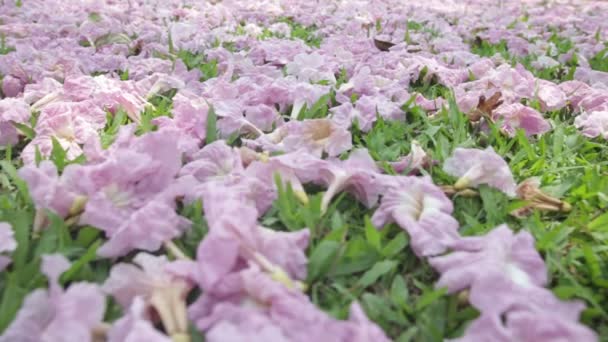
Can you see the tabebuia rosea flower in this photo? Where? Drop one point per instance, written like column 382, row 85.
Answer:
column 71, row 124
column 415, row 161
column 7, row 243
column 357, row 174
column 189, row 118
column 594, row 124
column 235, row 239
column 475, row 167
column 12, row 110
column 214, row 162
column 127, row 198
column 260, row 308
column 516, row 116
column 57, row 314
column 149, row 283
column 310, row 68
column 50, row 191
column 316, row 137
column 135, row 325
column 511, row 257
column 526, row 326
column 420, row 208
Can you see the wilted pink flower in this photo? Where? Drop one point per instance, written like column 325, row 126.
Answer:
column 70, row 123
column 12, row 110
column 516, row 116
column 310, row 68
column 213, row 162
column 235, row 238
column 317, row 136
column 149, row 279
column 259, row 306
column 126, row 196
column 358, row 175
column 7, row 243
column 527, row 325
column 415, row 161
column 106, row 93
column 593, row 124
column 306, row 94
column 189, row 118
column 420, row 208
column 42, row 93
column 48, row 189
column 267, row 170
column 501, row 254
column 135, row 326
column 57, row 314
column 550, row 95
column 475, row 167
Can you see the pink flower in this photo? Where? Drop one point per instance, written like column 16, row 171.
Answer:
column 214, row 162
column 189, row 118
column 7, row 243
column 310, row 68
column 235, row 239
column 106, row 93
column 148, row 282
column 127, row 194
column 135, row 326
column 57, row 314
column 358, row 175
column 315, row 136
column 517, row 116
column 509, row 257
column 475, row 167
column 12, row 110
column 49, row 190
column 261, row 307
column 420, row 208
column 70, row 123
column 415, row 161
column 593, row 124
column 550, row 95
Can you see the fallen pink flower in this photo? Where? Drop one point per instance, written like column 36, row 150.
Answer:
column 517, row 116
column 57, row 314
column 421, row 209
column 593, row 124
column 475, row 167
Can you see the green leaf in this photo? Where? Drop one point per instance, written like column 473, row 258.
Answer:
column 599, row 223
column 321, row 259
column 25, row 130
column 58, row 155
column 429, row 297
column 378, row 270
column 211, row 134
column 77, row 265
column 12, row 297
column 372, row 235
column 395, row 246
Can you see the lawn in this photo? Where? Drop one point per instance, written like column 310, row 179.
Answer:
column 285, row 171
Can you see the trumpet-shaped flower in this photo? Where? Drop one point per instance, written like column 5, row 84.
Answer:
column 423, row 210
column 57, row 314
column 475, row 167
column 511, row 257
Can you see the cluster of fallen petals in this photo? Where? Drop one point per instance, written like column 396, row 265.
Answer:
column 67, row 82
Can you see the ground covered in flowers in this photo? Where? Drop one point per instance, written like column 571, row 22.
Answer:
column 284, row 170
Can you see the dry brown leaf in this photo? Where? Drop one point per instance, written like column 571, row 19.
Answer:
column 383, row 45
column 485, row 107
